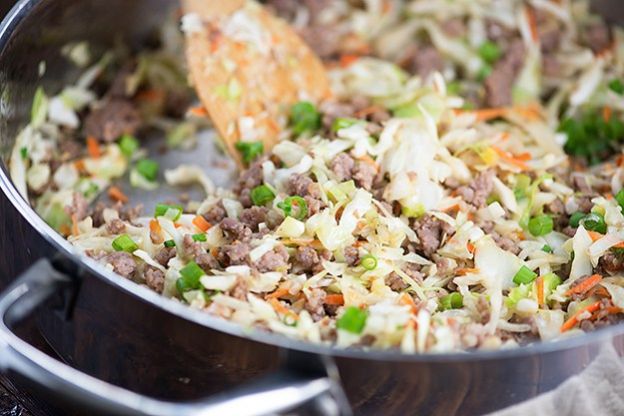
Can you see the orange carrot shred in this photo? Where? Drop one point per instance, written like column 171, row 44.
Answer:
column 281, row 309
column 606, row 113
column 93, row 147
column 532, row 24
column 199, row 111
column 279, row 293
column 335, row 299
column 201, row 223
column 539, row 288
column 75, row 230
column 116, row 194
column 573, row 320
column 471, row 247
column 407, row 300
column 154, row 226
column 594, row 235
column 585, row 285
column 348, row 60
column 509, row 158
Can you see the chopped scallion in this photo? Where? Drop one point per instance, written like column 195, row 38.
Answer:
column 170, row 243
column 128, row 145
column 452, row 301
column 173, row 212
column 594, row 222
column 575, row 219
column 369, row 262
column 304, row 117
column 490, row 52
column 250, row 150
column 541, row 225
column 124, row 243
column 200, row 237
column 190, row 275
column 352, row 320
column 148, row 169
column 261, row 195
column 294, row 206
column 342, row 123
column 524, row 276
column 616, row 86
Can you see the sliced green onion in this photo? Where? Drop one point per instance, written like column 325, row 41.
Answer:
column 294, row 203
column 190, row 275
column 551, row 281
column 575, row 219
column 594, row 222
column 125, row 243
column 490, row 52
column 39, row 110
column 200, row 237
column 547, row 248
column 616, row 86
column 620, row 198
column 416, row 211
column 304, row 117
column 343, row 123
column 250, row 150
column 24, row 153
column 170, row 243
column 369, row 262
column 524, row 276
column 484, row 72
column 452, row 301
column 128, row 145
column 541, row 225
column 517, row 293
column 173, row 212
column 352, row 320
column 148, row 169
column 261, row 195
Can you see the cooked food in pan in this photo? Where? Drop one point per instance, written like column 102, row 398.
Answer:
column 462, row 189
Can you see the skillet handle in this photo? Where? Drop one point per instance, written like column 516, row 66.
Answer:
column 278, row 392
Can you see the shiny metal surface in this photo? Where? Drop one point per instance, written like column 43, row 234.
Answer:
column 126, row 334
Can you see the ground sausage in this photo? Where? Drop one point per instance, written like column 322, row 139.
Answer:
column 364, row 174
column 352, row 256
column 431, row 232
column 234, row 254
column 273, row 260
column 115, row 118
column 395, row 282
column 478, row 190
column 215, row 213
column 199, row 255
column 165, row 254
column 116, row 226
column 302, row 185
column 123, row 263
column 499, row 83
column 307, row 259
column 315, row 303
column 342, row 166
column 235, row 230
column 253, row 217
column 79, row 206
column 154, row 278
column 423, row 61
column 597, row 36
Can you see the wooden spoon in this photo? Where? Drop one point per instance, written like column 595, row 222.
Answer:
column 248, row 68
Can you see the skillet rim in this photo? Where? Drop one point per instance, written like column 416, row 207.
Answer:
column 7, row 28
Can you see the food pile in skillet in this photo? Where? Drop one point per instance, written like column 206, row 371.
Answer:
column 463, row 189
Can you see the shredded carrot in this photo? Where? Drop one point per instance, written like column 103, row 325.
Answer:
column 485, row 114
column 335, row 299
column 452, row 208
column 177, row 225
column 532, row 19
column 466, row 270
column 151, row 95
column 606, row 113
column 80, row 166
column 610, row 310
column 511, row 159
column 348, row 60
column 594, row 235
column 116, row 194
column 585, row 285
column 199, row 111
column 64, row 230
column 93, row 147
column 608, row 195
column 539, row 288
column 619, row 160
column 201, row 223
column 279, row 293
column 573, row 320
column 281, row 309
column 154, row 226
column 75, row 230
column 406, row 299
column 526, row 156
column 368, row 111
column 471, row 247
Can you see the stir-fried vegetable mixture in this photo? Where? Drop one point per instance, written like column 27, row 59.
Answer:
column 463, row 188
